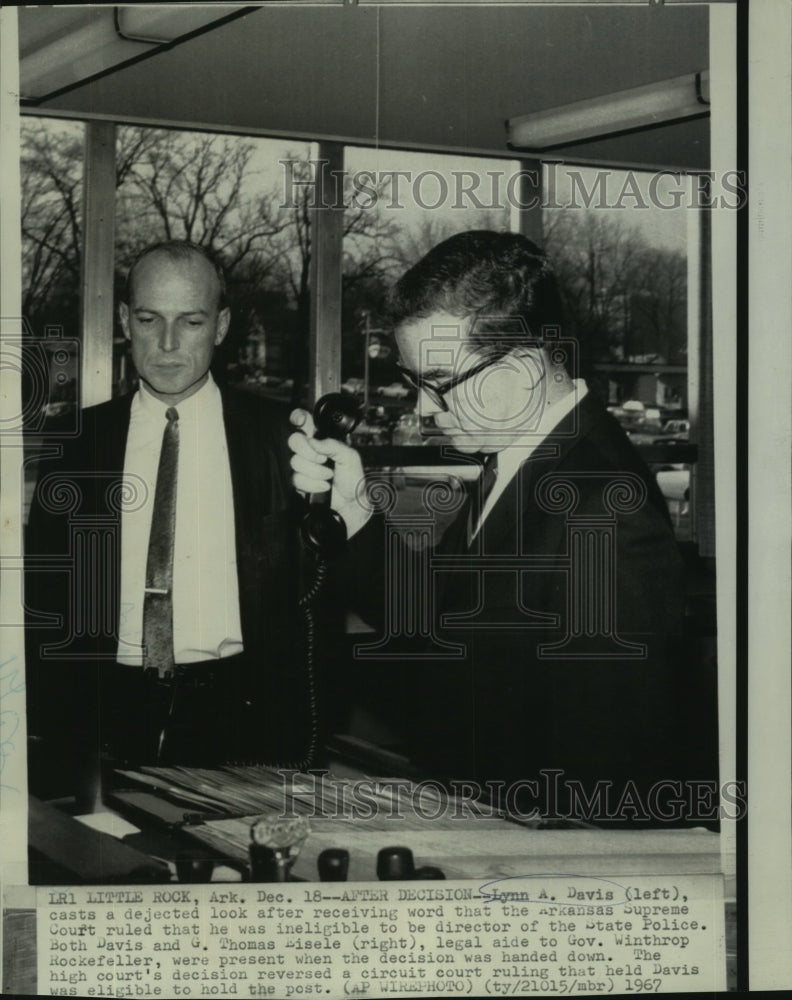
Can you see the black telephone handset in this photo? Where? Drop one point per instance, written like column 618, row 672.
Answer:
column 323, row 531
column 323, row 534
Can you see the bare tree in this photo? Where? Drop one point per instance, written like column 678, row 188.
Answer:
column 598, row 260
column 51, row 214
column 659, row 304
column 413, row 242
column 202, row 188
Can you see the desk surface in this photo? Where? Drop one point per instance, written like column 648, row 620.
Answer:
column 193, row 812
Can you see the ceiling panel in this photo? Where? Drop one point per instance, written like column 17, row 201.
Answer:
column 426, row 77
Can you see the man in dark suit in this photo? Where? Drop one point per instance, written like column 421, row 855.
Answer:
column 197, row 658
column 552, row 666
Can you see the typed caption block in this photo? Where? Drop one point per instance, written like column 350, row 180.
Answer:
column 518, row 936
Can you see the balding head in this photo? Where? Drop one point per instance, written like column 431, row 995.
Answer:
column 174, row 318
column 180, row 250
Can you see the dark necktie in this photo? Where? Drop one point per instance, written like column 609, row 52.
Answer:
column 480, row 490
column 158, row 602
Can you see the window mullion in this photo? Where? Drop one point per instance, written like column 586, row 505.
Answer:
column 97, row 263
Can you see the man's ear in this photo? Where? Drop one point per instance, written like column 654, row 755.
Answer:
column 123, row 315
column 223, row 321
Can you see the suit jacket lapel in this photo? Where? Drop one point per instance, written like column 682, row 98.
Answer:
column 243, row 471
column 119, row 430
column 103, row 451
column 255, row 480
column 502, row 530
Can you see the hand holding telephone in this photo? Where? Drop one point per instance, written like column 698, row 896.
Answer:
column 323, row 530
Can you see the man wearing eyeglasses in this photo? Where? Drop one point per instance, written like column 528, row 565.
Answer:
column 559, row 581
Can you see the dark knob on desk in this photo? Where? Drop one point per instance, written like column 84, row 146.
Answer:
column 428, row 872
column 395, row 864
column 194, row 868
column 333, row 864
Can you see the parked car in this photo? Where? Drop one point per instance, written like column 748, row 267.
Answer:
column 354, row 385
column 58, row 409
column 678, row 430
column 652, row 420
column 674, row 484
column 408, row 430
column 369, row 433
column 630, row 415
column 396, row 390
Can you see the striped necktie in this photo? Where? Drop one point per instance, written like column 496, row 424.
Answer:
column 158, row 601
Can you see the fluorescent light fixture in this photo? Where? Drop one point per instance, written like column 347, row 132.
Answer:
column 63, row 47
column 641, row 107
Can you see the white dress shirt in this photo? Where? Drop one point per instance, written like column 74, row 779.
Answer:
column 512, row 457
column 206, row 621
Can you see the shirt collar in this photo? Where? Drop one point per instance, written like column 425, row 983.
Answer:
column 511, row 457
column 154, row 409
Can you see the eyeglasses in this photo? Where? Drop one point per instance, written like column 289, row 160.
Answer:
column 437, row 392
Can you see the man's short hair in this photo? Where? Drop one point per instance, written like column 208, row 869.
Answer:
column 502, row 280
column 179, row 250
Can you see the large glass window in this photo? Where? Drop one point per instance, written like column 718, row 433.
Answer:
column 617, row 240
column 51, row 162
column 619, row 249
column 51, row 152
